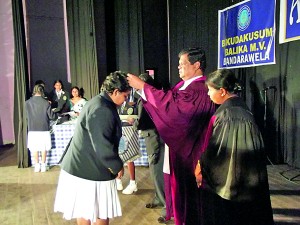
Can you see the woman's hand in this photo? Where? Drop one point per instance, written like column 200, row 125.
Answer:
column 198, row 174
column 135, row 82
column 121, row 173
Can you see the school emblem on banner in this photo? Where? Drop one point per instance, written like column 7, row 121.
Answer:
column 244, row 18
column 289, row 20
column 247, row 34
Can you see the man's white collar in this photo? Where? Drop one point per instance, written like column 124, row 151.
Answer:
column 188, row 82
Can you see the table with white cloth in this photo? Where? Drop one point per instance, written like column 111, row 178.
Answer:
column 62, row 134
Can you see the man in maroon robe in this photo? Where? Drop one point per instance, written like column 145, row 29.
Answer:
column 181, row 116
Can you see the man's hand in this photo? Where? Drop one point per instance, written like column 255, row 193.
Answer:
column 131, row 120
column 135, row 82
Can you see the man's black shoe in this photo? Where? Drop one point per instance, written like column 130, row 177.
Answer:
column 162, row 219
column 150, row 205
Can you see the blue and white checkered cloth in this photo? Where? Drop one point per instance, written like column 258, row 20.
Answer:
column 62, row 134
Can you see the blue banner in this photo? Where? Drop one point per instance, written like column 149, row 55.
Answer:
column 289, row 20
column 247, row 34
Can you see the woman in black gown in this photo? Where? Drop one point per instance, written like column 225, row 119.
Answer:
column 232, row 168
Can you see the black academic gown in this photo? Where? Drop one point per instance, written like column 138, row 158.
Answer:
column 234, row 169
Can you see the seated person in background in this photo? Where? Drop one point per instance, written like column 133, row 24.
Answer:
column 59, row 100
column 76, row 102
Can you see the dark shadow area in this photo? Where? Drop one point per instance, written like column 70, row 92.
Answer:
column 271, row 133
column 8, row 155
column 285, row 192
column 263, row 106
column 1, row 136
column 287, row 212
column 287, row 223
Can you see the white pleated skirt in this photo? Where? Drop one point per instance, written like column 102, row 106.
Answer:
column 81, row 198
column 38, row 141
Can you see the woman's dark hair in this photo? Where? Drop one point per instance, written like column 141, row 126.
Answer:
column 195, row 55
column 38, row 89
column 81, row 92
column 224, row 78
column 59, row 81
column 77, row 88
column 115, row 80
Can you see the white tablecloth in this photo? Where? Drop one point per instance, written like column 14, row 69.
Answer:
column 62, row 134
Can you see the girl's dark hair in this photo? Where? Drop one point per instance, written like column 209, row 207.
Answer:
column 195, row 55
column 40, row 82
column 224, row 78
column 38, row 89
column 115, row 80
column 59, row 81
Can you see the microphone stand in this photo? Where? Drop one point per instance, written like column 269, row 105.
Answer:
column 265, row 107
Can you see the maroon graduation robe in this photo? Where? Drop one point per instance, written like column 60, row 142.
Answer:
column 181, row 118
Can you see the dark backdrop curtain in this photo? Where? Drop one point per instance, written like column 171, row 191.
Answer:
column 20, row 85
column 278, row 110
column 82, row 46
column 289, row 102
column 129, row 36
column 194, row 23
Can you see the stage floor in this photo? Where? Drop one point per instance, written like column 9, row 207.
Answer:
column 27, row 197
